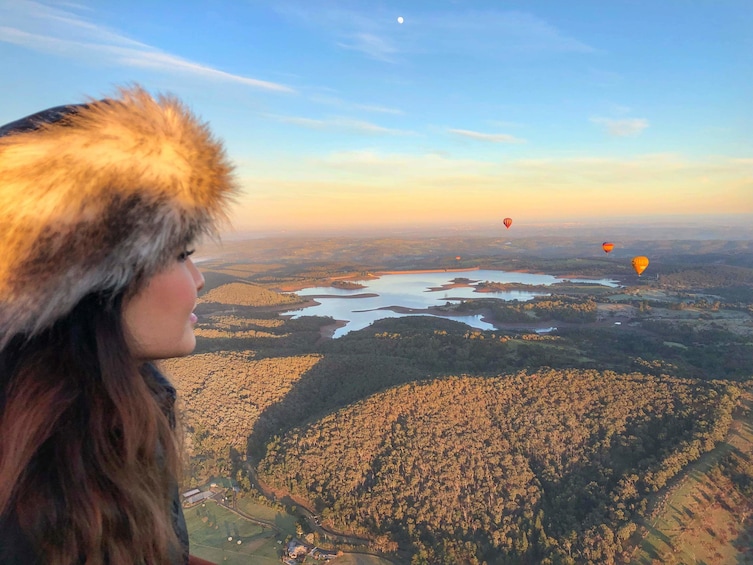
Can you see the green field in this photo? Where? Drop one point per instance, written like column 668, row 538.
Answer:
column 283, row 521
column 209, row 528
column 209, row 537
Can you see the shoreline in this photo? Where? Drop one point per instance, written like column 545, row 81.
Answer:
column 328, row 331
column 296, row 286
column 422, row 271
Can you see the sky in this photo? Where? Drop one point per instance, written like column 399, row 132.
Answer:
column 338, row 116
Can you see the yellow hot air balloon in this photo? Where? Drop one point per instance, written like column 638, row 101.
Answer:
column 607, row 246
column 640, row 263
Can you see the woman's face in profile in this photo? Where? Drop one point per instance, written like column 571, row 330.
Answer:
column 159, row 319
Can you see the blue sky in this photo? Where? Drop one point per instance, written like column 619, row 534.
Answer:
column 469, row 111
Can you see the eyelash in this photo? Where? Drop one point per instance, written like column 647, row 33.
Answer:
column 185, row 255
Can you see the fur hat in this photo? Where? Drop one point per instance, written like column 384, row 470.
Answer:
column 98, row 195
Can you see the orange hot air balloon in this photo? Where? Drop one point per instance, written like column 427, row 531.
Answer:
column 607, row 246
column 507, row 222
column 457, row 258
column 640, row 263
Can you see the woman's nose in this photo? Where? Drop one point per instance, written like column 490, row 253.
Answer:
column 197, row 276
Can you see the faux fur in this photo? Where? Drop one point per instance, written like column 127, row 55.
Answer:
column 104, row 195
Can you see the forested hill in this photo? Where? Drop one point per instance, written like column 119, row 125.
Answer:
column 550, row 466
column 458, row 445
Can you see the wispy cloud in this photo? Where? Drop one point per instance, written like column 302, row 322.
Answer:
column 364, row 31
column 163, row 61
column 371, row 162
column 341, row 124
column 370, row 44
column 668, row 170
column 74, row 5
column 329, row 100
column 620, row 109
column 379, row 109
column 503, row 124
column 502, row 33
column 43, row 28
column 489, row 137
column 627, row 127
column 479, row 34
column 368, row 186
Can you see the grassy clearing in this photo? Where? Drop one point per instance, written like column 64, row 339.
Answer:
column 283, row 521
column 702, row 518
column 209, row 528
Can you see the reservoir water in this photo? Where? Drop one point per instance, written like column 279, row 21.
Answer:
column 358, row 308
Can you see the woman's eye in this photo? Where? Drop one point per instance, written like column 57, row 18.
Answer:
column 185, row 255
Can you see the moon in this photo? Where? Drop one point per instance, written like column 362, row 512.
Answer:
column 400, row 19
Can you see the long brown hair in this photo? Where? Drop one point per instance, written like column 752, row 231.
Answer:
column 88, row 452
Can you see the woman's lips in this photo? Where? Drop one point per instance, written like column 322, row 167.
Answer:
column 193, row 318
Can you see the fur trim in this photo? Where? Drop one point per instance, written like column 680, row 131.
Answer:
column 104, row 195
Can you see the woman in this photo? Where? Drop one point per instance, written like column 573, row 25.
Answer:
column 100, row 204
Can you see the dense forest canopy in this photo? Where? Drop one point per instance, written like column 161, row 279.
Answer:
column 222, row 396
column 445, row 444
column 535, row 467
column 245, row 294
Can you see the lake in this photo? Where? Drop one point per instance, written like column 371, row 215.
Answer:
column 358, row 308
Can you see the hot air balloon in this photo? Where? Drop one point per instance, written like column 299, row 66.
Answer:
column 640, row 263
column 607, row 246
column 457, row 258
column 507, row 222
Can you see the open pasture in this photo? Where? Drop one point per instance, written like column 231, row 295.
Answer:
column 210, row 528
